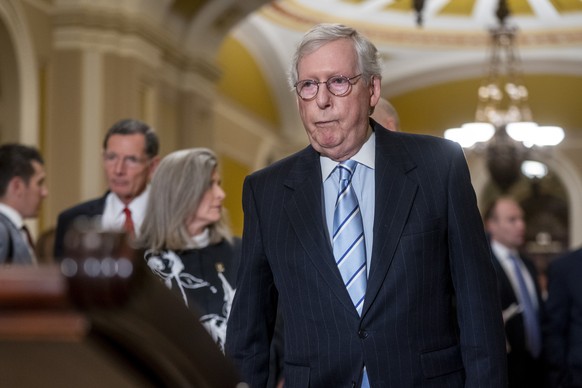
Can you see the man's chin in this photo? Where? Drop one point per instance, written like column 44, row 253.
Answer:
column 333, row 151
column 326, row 146
column 123, row 195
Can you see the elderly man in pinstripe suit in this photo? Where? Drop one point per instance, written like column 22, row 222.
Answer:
column 411, row 301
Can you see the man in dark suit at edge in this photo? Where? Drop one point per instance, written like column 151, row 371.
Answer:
column 563, row 321
column 130, row 157
column 413, row 301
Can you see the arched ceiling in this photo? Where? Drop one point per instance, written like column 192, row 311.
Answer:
column 452, row 32
column 451, row 45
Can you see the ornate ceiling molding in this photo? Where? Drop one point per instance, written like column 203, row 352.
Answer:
column 299, row 17
column 127, row 35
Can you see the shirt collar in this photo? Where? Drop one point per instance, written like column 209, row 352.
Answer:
column 12, row 215
column 501, row 251
column 136, row 205
column 366, row 156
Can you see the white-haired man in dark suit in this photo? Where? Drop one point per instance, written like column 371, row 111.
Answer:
column 370, row 243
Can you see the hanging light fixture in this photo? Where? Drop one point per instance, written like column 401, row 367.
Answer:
column 503, row 125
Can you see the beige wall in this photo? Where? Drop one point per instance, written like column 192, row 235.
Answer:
column 63, row 139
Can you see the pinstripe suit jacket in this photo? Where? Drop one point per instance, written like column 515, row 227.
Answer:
column 431, row 315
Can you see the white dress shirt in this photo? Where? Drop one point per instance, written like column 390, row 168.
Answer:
column 113, row 216
column 363, row 183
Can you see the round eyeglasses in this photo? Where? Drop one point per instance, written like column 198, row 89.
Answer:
column 338, row 85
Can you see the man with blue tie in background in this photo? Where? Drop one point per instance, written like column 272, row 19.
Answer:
column 368, row 240
column 519, row 293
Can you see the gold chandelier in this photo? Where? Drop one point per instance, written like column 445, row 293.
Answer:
column 504, row 127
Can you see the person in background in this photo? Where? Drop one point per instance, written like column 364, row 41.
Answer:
column 385, row 114
column 562, row 325
column 186, row 239
column 130, row 156
column 369, row 241
column 22, row 189
column 519, row 293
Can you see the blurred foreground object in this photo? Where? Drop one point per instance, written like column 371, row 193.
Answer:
column 101, row 319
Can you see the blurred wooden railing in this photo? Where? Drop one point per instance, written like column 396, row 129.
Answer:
column 101, row 319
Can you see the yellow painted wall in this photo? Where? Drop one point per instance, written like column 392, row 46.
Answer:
column 552, row 99
column 233, row 175
column 242, row 81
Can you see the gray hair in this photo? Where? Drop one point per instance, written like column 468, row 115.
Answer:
column 132, row 127
column 368, row 56
column 178, row 185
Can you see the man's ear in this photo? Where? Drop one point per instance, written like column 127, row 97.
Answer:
column 375, row 87
column 153, row 165
column 16, row 186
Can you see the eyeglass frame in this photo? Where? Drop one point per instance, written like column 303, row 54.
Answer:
column 326, row 82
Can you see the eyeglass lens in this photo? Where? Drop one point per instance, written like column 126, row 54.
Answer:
column 337, row 85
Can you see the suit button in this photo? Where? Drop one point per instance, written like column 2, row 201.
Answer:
column 363, row 334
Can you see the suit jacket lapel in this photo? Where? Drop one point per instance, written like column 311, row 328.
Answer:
column 305, row 211
column 394, row 196
column 98, row 207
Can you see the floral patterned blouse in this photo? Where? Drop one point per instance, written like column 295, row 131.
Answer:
column 204, row 278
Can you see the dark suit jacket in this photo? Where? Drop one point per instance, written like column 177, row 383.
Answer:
column 563, row 320
column 13, row 247
column 523, row 369
column 429, row 255
column 65, row 220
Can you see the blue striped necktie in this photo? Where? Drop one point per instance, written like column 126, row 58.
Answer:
column 349, row 248
column 530, row 318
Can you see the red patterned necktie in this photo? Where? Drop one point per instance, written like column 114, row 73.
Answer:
column 128, row 225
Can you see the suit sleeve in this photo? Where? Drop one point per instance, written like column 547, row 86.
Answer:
column 478, row 307
column 557, row 310
column 252, row 319
column 4, row 243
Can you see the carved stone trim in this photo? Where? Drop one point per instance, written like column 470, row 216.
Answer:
column 127, row 35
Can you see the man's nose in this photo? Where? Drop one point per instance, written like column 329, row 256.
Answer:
column 323, row 96
column 119, row 166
